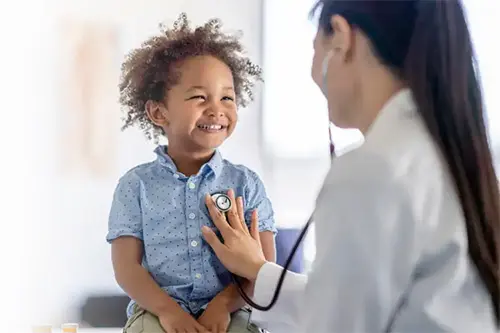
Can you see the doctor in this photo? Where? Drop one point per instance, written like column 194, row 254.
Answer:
column 408, row 225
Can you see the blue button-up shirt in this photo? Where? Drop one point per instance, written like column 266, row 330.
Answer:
column 166, row 210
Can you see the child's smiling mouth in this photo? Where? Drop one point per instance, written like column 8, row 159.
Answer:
column 211, row 128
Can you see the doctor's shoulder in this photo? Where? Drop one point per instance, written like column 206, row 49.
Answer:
column 359, row 167
column 411, row 161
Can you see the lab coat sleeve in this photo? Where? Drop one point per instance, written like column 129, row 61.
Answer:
column 284, row 316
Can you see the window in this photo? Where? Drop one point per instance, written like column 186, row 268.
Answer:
column 483, row 19
column 295, row 116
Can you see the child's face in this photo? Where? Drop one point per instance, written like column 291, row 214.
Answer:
column 200, row 110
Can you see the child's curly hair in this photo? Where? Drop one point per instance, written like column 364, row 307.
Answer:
column 148, row 71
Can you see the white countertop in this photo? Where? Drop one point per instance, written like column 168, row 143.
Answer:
column 88, row 330
column 94, row 330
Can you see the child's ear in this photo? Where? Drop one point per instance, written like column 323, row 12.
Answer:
column 157, row 113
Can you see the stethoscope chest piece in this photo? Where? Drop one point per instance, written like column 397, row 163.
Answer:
column 222, row 202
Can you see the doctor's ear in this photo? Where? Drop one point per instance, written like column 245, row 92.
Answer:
column 157, row 113
column 341, row 40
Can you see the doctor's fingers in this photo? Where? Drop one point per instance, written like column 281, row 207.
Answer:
column 254, row 226
column 233, row 216
column 241, row 213
column 221, row 251
column 218, row 218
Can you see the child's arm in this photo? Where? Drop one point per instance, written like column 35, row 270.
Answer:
column 125, row 235
column 268, row 245
column 127, row 248
column 136, row 281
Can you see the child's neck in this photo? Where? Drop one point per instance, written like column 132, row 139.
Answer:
column 189, row 163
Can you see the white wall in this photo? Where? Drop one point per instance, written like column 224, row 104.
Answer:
column 483, row 18
column 70, row 254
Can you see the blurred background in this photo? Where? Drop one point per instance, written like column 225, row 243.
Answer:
column 63, row 150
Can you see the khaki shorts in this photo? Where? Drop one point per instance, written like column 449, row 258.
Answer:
column 144, row 322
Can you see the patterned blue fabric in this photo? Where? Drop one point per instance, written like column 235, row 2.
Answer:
column 166, row 210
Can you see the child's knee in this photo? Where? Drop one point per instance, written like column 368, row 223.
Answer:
column 143, row 322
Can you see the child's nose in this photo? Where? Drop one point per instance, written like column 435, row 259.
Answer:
column 215, row 110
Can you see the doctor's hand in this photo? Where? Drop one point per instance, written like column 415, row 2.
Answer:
column 241, row 253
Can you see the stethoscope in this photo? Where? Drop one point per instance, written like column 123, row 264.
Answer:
column 223, row 204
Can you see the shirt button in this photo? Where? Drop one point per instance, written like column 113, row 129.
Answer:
column 192, row 216
column 194, row 243
column 198, row 275
column 192, row 186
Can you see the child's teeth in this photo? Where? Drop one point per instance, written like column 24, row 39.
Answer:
column 213, row 127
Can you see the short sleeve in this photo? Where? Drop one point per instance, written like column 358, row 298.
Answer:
column 125, row 218
column 256, row 198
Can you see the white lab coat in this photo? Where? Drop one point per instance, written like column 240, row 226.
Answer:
column 391, row 243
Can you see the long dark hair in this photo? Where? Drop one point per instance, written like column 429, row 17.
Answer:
column 428, row 43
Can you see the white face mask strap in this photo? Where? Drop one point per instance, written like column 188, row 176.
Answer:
column 324, row 70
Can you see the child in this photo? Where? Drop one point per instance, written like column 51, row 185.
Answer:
column 185, row 84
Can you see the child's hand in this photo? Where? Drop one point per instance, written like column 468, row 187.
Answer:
column 216, row 317
column 178, row 320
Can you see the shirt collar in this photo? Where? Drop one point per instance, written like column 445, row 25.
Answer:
column 400, row 105
column 215, row 164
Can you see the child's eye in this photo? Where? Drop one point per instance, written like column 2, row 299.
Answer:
column 198, row 97
column 228, row 98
